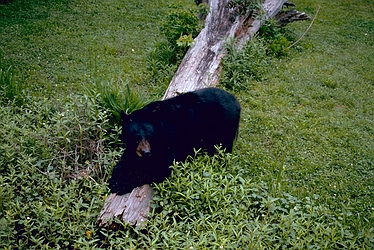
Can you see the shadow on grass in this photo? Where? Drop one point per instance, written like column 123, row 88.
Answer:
column 19, row 11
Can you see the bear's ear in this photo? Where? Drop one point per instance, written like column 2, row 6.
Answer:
column 156, row 109
column 125, row 118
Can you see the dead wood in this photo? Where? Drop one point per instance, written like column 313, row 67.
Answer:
column 285, row 17
column 131, row 208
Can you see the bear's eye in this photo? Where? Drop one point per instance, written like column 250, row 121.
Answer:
column 134, row 141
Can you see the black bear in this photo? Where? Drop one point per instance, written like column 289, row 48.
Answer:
column 164, row 131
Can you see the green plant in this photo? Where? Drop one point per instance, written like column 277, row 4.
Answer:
column 277, row 41
column 242, row 66
column 203, row 10
column 54, row 159
column 68, row 139
column 116, row 96
column 269, row 29
column 10, row 90
column 179, row 29
column 159, row 65
column 243, row 7
column 179, row 23
column 280, row 46
column 211, row 202
column 185, row 41
column 252, row 61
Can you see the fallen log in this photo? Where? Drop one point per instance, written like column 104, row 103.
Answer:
column 200, row 68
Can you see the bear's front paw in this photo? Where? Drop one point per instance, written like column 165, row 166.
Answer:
column 120, row 189
column 114, row 186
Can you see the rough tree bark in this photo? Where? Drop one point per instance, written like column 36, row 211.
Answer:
column 199, row 68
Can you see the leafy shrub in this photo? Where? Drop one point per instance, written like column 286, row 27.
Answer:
column 241, row 66
column 252, row 62
column 211, row 203
column 54, row 161
column 279, row 46
column 179, row 23
column 208, row 202
column 179, row 29
column 275, row 38
column 66, row 138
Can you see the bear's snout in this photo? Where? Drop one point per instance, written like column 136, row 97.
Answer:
column 143, row 149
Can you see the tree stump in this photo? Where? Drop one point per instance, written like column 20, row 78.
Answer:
column 200, row 68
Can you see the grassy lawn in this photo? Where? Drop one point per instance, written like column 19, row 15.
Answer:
column 301, row 175
column 313, row 114
column 322, row 108
column 60, row 45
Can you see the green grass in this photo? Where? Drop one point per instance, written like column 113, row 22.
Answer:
column 59, row 45
column 301, row 175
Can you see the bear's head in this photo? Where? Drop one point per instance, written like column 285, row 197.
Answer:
column 138, row 135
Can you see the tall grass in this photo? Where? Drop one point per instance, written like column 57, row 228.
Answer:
column 10, row 89
column 116, row 96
